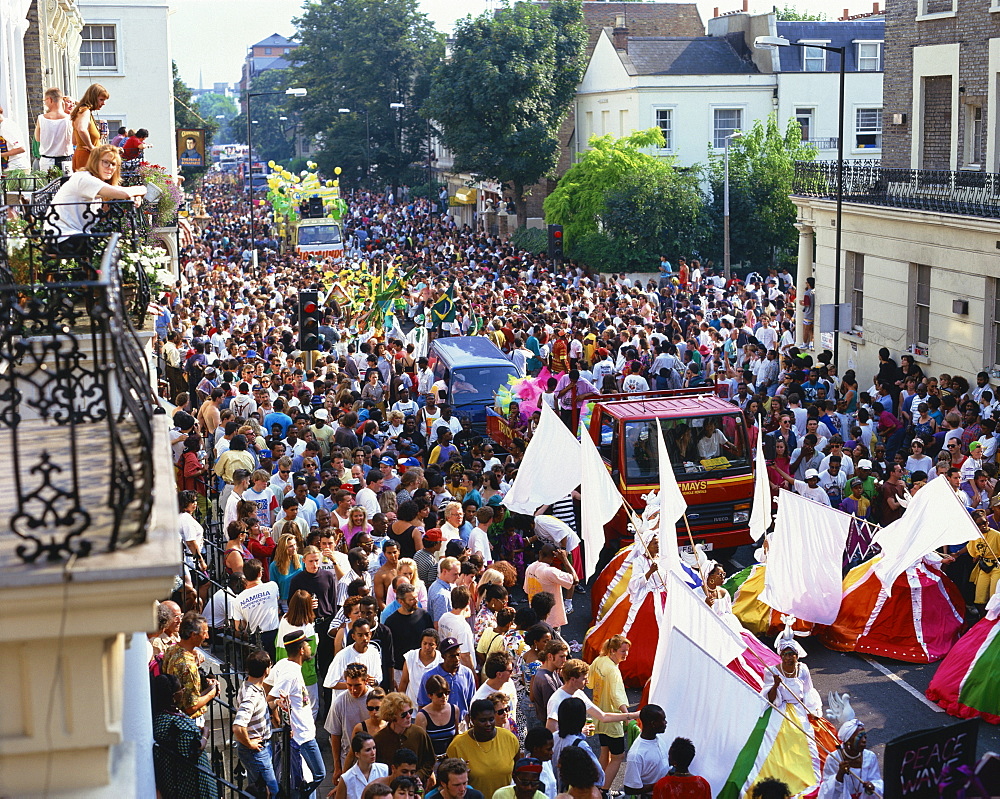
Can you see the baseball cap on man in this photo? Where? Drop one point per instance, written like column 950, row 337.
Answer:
column 322, row 414
column 447, row 644
column 434, row 534
column 811, row 473
column 864, row 463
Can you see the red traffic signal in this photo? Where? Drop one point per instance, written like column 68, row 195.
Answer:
column 557, row 234
column 309, row 308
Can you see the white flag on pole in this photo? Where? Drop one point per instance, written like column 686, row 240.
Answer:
column 760, row 516
column 600, row 500
column 550, row 469
column 672, row 508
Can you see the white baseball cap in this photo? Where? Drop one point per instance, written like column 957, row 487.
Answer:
column 864, row 463
column 811, row 473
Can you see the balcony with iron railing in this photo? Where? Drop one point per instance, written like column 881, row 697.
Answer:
column 87, row 503
column 965, row 193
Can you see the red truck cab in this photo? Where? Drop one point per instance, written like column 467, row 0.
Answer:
column 709, row 449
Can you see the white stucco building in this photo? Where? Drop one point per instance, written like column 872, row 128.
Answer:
column 699, row 89
column 126, row 48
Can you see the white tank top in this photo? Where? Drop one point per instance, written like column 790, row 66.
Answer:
column 55, row 137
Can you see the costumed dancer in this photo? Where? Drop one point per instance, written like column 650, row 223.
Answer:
column 792, row 683
column 852, row 770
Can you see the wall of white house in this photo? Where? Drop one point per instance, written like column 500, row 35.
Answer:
column 141, row 82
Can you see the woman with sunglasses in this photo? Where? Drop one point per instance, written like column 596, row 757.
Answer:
column 401, row 733
column 439, row 718
column 373, row 704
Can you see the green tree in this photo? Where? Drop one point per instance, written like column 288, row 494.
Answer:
column 211, row 106
column 273, row 137
column 791, row 14
column 655, row 213
column 363, row 55
column 186, row 115
column 507, row 88
column 761, row 215
column 578, row 201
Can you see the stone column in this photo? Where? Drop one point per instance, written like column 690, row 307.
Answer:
column 805, row 270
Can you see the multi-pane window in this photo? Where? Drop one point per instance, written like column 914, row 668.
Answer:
column 814, row 59
column 868, row 129
column 974, row 150
column 995, row 328
column 726, row 122
column 98, row 47
column 857, row 267
column 665, row 122
column 922, row 306
column 804, row 116
column 869, row 56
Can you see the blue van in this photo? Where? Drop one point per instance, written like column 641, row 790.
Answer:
column 474, row 369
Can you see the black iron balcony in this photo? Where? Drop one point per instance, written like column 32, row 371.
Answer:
column 76, row 403
column 868, row 182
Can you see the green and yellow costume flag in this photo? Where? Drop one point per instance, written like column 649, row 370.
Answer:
column 443, row 310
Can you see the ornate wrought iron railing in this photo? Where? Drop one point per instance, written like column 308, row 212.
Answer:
column 868, row 182
column 76, row 408
column 34, row 247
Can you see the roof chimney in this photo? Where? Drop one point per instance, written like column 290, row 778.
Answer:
column 746, row 6
column 847, row 13
column 619, row 37
column 875, row 8
column 715, row 11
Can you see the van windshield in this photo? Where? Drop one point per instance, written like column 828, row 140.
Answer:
column 696, row 445
column 478, row 384
column 319, row 234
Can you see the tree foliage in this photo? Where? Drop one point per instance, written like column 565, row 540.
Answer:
column 212, row 105
column 579, row 199
column 273, row 138
column 507, row 88
column 363, row 55
column 657, row 213
column 761, row 215
column 791, row 14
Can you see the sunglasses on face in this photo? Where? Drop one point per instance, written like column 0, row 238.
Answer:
column 404, row 714
column 442, row 693
column 502, row 711
column 372, row 708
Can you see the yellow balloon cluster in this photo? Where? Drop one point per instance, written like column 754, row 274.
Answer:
column 286, row 191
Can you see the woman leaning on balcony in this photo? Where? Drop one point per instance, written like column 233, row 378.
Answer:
column 74, row 207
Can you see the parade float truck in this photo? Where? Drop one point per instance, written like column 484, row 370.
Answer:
column 709, row 450
column 308, row 213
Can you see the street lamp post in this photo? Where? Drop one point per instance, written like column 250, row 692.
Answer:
column 398, row 108
column 770, row 42
column 727, row 269
column 368, row 141
column 296, row 92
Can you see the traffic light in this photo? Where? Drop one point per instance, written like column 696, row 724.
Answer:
column 556, row 242
column 310, row 317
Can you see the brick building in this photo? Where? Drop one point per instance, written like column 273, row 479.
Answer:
column 921, row 228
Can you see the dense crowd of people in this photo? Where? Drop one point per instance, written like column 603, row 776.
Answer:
column 398, row 605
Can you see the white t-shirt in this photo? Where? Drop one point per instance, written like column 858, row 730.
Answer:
column 10, row 132
column 647, row 761
column 453, row 625
column 191, row 530
column 77, row 204
column 507, row 689
column 258, row 607
column 371, row 658
column 559, row 696
column 634, row 383
column 479, row 542
column 368, row 500
column 286, row 680
column 815, row 494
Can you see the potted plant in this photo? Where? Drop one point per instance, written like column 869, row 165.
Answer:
column 163, row 191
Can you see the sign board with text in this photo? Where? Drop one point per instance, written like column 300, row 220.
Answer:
column 914, row 762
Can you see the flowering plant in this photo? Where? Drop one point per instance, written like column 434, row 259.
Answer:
column 153, row 261
column 170, row 196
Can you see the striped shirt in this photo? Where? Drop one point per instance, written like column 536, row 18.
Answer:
column 252, row 712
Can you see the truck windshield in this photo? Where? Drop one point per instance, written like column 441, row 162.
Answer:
column 697, row 446
column 319, row 234
column 478, row 384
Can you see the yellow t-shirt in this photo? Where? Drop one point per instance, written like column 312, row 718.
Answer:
column 605, row 680
column 491, row 765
